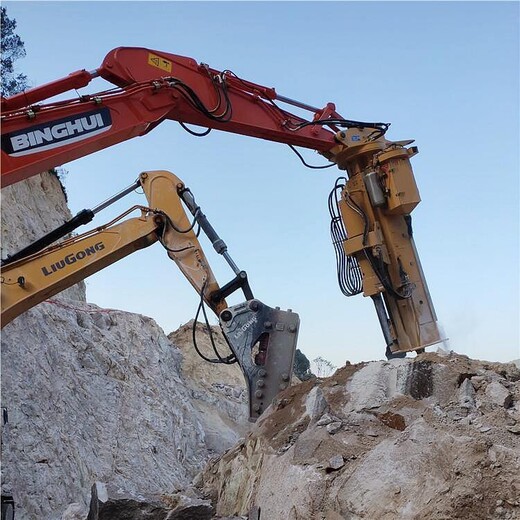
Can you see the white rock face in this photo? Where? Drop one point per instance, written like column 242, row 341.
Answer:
column 30, row 209
column 95, row 395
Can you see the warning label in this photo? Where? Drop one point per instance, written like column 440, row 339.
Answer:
column 160, row 63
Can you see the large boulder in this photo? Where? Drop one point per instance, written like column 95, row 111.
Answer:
column 93, row 395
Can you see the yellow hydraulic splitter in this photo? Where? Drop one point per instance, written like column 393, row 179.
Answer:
column 372, row 233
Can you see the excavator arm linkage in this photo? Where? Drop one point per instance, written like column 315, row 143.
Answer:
column 32, row 279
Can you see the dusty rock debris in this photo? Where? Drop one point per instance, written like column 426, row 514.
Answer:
column 409, row 446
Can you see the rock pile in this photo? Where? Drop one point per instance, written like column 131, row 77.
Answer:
column 432, row 437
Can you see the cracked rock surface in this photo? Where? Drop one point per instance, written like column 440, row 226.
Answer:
column 408, row 446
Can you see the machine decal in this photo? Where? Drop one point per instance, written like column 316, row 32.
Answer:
column 53, row 134
column 72, row 258
column 244, row 327
column 160, row 63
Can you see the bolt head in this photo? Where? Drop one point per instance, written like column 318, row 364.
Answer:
column 254, row 305
column 260, row 383
column 268, row 325
column 259, row 394
column 226, row 315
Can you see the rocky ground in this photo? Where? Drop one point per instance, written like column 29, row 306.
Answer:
column 432, row 437
column 435, row 437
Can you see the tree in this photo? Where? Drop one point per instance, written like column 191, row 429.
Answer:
column 322, row 367
column 12, row 48
column 302, row 366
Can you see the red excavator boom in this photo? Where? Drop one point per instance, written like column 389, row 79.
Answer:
column 150, row 86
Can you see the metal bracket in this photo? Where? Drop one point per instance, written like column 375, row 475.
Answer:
column 263, row 340
column 239, row 282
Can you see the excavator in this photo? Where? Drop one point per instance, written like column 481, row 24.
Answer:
column 261, row 339
column 370, row 205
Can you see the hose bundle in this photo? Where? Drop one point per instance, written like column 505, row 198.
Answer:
column 350, row 278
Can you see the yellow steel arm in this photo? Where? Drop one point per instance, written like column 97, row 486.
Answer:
column 247, row 326
column 162, row 190
column 31, row 280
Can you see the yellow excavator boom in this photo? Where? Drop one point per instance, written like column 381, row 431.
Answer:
column 262, row 339
column 33, row 279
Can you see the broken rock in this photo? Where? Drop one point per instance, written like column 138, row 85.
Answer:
column 467, row 394
column 334, row 427
column 112, row 504
column 499, row 394
column 315, row 404
column 326, row 419
column 335, row 463
column 406, row 459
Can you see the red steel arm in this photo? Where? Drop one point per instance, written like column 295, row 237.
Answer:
column 151, row 86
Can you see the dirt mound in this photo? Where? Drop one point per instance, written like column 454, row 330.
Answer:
column 429, row 437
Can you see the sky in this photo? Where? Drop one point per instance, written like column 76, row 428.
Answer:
column 443, row 73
